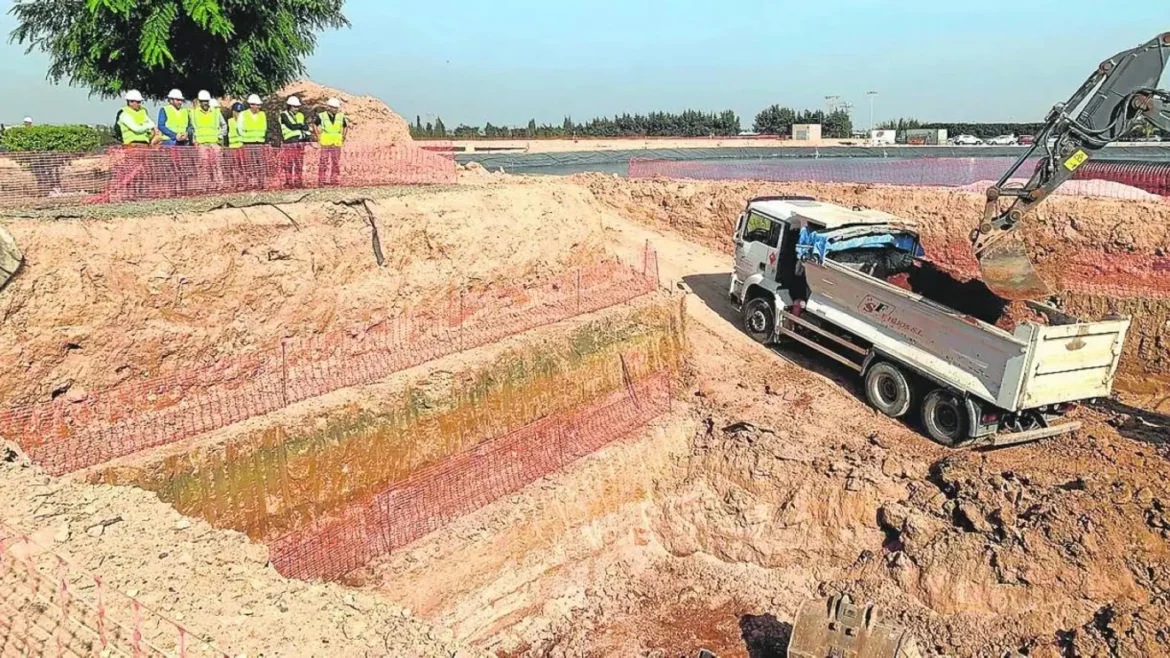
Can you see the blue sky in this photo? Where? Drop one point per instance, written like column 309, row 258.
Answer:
column 510, row 60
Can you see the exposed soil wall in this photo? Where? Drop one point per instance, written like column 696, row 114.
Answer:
column 105, row 301
column 281, row 472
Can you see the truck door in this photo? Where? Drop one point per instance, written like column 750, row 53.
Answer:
column 756, row 250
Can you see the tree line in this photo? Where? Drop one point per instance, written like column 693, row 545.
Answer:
column 777, row 120
column 688, row 123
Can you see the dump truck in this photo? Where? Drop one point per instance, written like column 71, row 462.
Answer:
column 824, row 275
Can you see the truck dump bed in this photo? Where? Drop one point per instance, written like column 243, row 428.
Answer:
column 1035, row 366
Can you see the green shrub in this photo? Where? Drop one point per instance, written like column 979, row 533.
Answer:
column 60, row 139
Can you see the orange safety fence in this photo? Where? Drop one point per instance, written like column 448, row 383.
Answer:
column 50, row 606
column 122, row 174
column 441, row 492
column 64, row 436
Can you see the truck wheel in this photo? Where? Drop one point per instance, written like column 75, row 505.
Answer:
column 887, row 390
column 759, row 320
column 944, row 418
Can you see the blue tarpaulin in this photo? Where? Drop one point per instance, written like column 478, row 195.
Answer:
column 818, row 245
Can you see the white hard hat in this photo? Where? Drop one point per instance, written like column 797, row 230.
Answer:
column 294, row 101
column 334, row 103
column 254, row 100
column 213, row 102
column 175, row 95
column 204, row 96
column 133, row 95
column 28, row 119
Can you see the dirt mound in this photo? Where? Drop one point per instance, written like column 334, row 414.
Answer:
column 216, row 582
column 372, row 122
column 104, row 301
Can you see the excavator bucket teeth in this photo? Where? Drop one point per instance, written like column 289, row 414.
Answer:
column 1009, row 273
column 10, row 257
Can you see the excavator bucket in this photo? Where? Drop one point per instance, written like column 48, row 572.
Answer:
column 1009, row 273
column 10, row 257
column 836, row 627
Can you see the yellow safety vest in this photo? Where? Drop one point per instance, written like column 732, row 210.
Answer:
column 255, row 127
column 130, row 136
column 206, row 126
column 177, row 120
column 332, row 129
column 287, row 133
column 235, row 139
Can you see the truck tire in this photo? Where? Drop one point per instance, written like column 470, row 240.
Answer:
column 945, row 418
column 759, row 319
column 887, row 389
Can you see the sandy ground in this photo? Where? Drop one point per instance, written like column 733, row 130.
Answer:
column 786, row 485
column 215, row 582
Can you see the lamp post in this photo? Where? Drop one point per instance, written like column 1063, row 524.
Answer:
column 872, row 95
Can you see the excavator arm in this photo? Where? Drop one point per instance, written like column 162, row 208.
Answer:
column 1117, row 97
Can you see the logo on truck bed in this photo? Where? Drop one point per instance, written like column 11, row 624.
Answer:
column 872, row 305
column 884, row 312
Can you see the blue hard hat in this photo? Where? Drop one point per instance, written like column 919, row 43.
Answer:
column 238, row 106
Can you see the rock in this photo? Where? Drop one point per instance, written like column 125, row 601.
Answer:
column 1144, row 496
column 62, row 535
column 76, row 395
column 893, row 515
column 95, row 530
column 183, row 523
column 973, row 516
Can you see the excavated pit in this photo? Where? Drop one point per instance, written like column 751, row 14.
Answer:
column 704, row 514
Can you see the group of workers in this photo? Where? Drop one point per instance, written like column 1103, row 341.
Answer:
column 204, row 124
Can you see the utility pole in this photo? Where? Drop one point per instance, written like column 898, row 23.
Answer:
column 872, row 95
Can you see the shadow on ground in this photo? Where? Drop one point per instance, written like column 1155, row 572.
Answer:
column 764, row 636
column 1136, row 423
column 712, row 289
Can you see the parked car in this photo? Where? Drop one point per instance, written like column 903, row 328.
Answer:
column 1026, row 140
column 967, row 140
column 1002, row 140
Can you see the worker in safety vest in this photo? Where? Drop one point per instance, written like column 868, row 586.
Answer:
column 235, row 141
column 136, row 127
column 132, row 169
column 330, row 129
column 207, row 121
column 208, row 127
column 253, row 127
column 294, row 132
column 174, row 121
